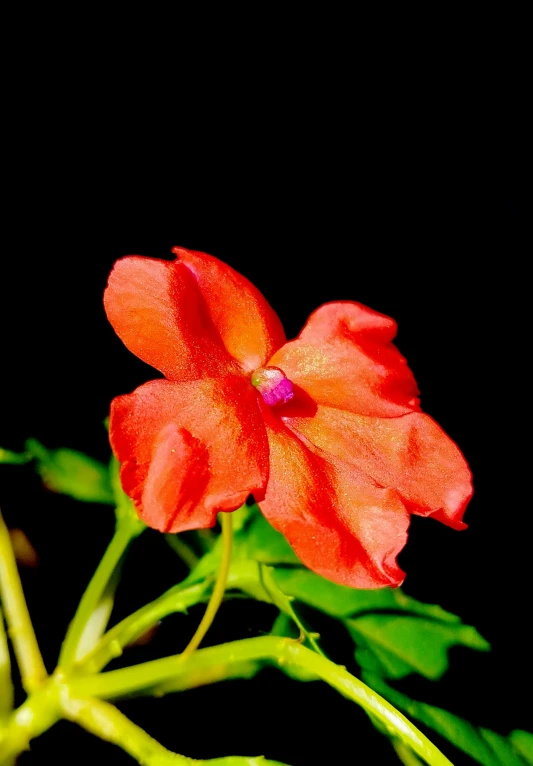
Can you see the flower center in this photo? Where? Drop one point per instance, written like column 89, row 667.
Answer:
column 273, row 385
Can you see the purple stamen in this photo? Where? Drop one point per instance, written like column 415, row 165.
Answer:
column 273, row 385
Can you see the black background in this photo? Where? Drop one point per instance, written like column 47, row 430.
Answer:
column 427, row 226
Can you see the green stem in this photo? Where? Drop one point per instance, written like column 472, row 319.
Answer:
column 20, row 628
column 212, row 674
column 177, row 599
column 36, row 715
column 280, row 651
column 108, row 723
column 6, row 685
column 111, row 645
column 405, row 754
column 71, row 651
column 218, row 590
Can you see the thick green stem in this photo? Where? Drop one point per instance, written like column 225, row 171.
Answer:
column 218, row 590
column 280, row 651
column 212, row 674
column 20, row 628
column 72, row 650
column 36, row 715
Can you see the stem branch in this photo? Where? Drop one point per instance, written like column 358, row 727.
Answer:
column 36, row 715
column 71, row 651
column 280, row 651
column 20, row 628
column 112, row 643
column 108, row 723
column 218, row 590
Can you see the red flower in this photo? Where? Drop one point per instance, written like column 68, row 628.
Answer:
column 325, row 431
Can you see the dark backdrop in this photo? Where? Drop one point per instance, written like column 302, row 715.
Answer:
column 428, row 239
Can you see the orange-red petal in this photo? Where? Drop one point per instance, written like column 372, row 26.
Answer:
column 248, row 326
column 177, row 477
column 410, row 454
column 158, row 311
column 339, row 524
column 344, row 357
column 189, row 449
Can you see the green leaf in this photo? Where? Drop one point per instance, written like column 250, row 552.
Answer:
column 13, row 458
column 72, row 473
column 394, row 634
column 502, row 747
column 396, row 645
column 522, row 742
column 484, row 746
column 341, row 601
column 415, row 639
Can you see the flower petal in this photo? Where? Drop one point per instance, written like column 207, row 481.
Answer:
column 249, row 327
column 344, row 358
column 177, row 478
column 189, row 449
column 410, row 454
column 158, row 311
column 339, row 524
